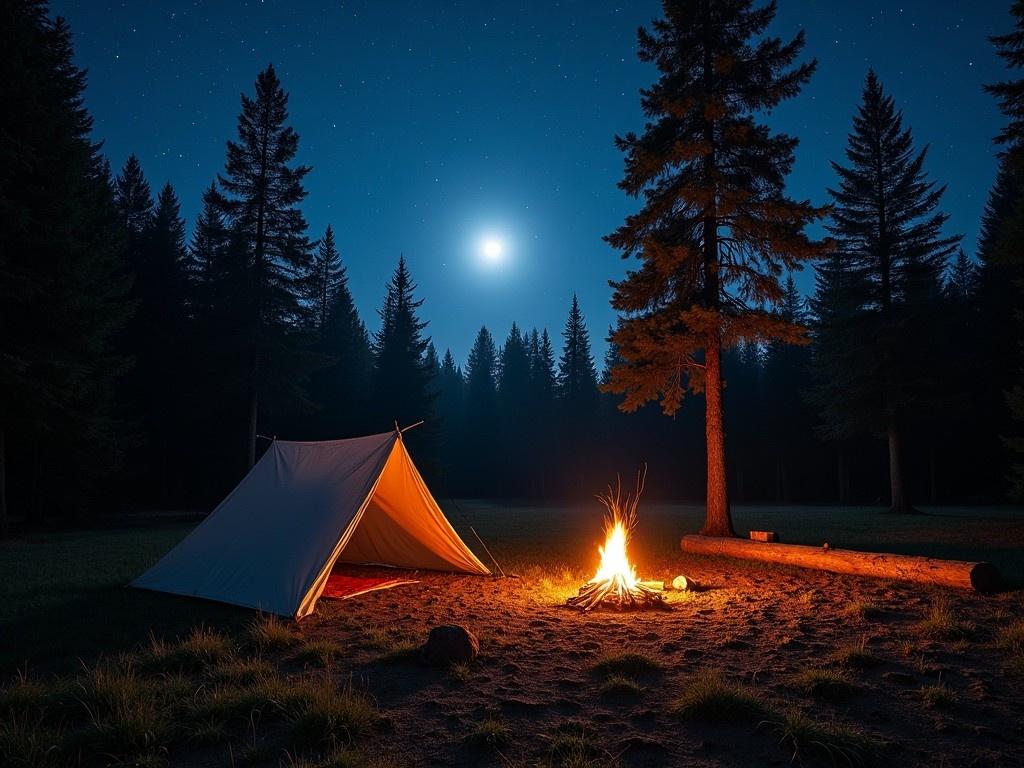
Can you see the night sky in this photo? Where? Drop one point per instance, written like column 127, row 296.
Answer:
column 433, row 126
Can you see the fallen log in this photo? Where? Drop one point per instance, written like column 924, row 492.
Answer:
column 983, row 577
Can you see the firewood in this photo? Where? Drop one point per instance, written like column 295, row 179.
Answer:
column 983, row 577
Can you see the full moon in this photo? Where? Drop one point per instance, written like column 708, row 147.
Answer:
column 492, row 250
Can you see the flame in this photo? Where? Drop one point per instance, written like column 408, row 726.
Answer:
column 614, row 560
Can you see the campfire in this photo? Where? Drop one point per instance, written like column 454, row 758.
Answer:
column 616, row 583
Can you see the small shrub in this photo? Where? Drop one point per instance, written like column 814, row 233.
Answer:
column 635, row 664
column 937, row 696
column 620, row 685
column 489, row 733
column 709, row 696
column 329, row 715
column 941, row 621
column 831, row 741
column 270, row 633
column 823, row 683
column 320, row 652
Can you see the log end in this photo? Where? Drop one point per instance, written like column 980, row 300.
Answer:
column 985, row 577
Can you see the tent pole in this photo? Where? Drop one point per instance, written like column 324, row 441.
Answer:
column 496, row 563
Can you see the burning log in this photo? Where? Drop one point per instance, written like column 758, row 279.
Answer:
column 615, row 582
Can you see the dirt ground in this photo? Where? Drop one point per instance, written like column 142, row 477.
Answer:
column 766, row 627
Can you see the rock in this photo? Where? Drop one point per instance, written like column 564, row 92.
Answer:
column 451, row 644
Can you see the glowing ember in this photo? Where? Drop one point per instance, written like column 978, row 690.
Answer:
column 615, row 581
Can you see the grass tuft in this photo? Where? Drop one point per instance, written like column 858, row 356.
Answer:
column 709, row 696
column 1011, row 637
column 489, row 732
column 319, row 652
column 863, row 609
column 460, row 672
column 330, row 715
column 573, row 746
column 201, row 648
column 829, row 741
column 620, row 685
column 241, row 671
column 26, row 741
column 856, row 655
column 269, row 633
column 941, row 621
column 823, row 684
column 937, row 696
column 634, row 664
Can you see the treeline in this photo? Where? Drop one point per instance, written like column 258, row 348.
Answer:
column 143, row 365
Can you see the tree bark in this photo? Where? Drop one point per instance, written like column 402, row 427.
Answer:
column 897, row 489
column 4, row 524
column 718, row 520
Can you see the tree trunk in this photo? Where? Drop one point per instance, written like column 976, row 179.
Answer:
column 4, row 525
column 898, row 494
column 254, row 404
column 718, row 521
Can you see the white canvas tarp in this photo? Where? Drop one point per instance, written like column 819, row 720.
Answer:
column 271, row 544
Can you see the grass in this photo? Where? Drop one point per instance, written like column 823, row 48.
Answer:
column 856, row 655
column 460, row 672
column 320, row 652
column 709, row 696
column 632, row 664
column 330, row 715
column 620, row 686
column 573, row 746
column 1011, row 637
column 863, row 609
column 489, row 732
column 827, row 741
column 200, row 648
column 26, row 741
column 941, row 621
column 823, row 684
column 937, row 696
column 269, row 633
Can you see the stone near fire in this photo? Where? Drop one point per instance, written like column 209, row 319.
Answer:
column 451, row 644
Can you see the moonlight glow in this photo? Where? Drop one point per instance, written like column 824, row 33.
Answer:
column 492, row 249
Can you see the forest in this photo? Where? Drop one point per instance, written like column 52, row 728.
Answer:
column 146, row 361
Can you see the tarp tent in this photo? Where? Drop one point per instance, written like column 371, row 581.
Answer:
column 272, row 543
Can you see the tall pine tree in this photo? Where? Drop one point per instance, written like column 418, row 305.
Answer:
column 1002, row 262
column 481, row 414
column 716, row 229
column 889, row 229
column 62, row 277
column 402, row 386
column 261, row 194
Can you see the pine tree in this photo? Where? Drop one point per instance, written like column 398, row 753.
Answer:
column 450, row 386
column 577, row 379
column 542, row 371
column 324, row 280
column 134, row 202
column 1002, row 260
column 401, row 382
column 515, row 419
column 481, row 414
column 261, row 192
column 62, row 277
column 888, row 226
column 716, row 229
column 206, row 252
